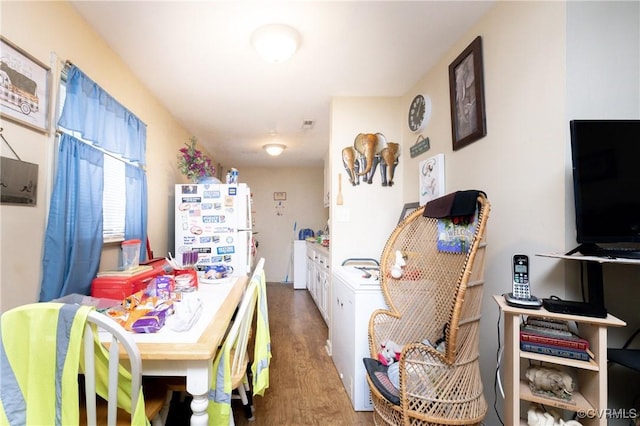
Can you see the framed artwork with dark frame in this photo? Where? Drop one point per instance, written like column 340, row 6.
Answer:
column 24, row 88
column 279, row 196
column 466, row 90
column 407, row 209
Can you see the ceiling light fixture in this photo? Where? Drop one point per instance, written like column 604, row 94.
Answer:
column 274, row 149
column 275, row 42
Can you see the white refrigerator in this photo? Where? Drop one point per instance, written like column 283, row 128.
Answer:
column 214, row 220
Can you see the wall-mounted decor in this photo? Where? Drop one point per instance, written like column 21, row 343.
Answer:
column 419, row 113
column 24, row 87
column 431, row 178
column 422, row 145
column 279, row 196
column 18, row 182
column 368, row 151
column 466, row 88
column 407, row 209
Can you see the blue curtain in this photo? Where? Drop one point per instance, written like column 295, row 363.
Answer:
column 73, row 239
column 136, row 207
column 99, row 118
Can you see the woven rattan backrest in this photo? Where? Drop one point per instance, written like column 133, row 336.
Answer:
column 437, row 289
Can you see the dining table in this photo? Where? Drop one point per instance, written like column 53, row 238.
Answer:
column 191, row 353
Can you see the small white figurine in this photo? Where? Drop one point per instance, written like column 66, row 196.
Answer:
column 396, row 271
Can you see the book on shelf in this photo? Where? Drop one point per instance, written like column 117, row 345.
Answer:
column 550, row 323
column 546, row 331
column 581, row 355
column 571, row 342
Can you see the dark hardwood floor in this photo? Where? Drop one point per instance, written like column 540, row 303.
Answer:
column 304, row 385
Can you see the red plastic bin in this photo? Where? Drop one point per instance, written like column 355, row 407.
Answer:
column 118, row 286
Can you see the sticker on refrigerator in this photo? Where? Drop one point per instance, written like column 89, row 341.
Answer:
column 206, row 206
column 188, row 240
column 211, row 194
column 191, row 199
column 226, row 250
column 189, row 189
column 233, row 190
column 196, row 230
column 213, row 219
column 202, row 250
column 204, row 240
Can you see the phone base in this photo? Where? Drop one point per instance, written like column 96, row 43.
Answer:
column 529, row 303
column 575, row 308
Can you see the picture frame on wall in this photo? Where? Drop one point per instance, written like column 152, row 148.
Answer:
column 18, row 182
column 431, row 178
column 279, row 196
column 24, row 87
column 407, row 209
column 466, row 91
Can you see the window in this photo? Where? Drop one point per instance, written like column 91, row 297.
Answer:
column 114, row 196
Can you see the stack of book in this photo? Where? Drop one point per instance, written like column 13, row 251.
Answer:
column 553, row 337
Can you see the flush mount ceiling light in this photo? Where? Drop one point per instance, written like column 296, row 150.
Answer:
column 275, row 42
column 274, row 149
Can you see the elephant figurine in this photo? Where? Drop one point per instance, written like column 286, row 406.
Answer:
column 369, row 145
column 351, row 165
column 389, row 156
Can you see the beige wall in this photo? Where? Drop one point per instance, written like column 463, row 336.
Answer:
column 62, row 35
column 521, row 162
column 361, row 225
column 303, row 207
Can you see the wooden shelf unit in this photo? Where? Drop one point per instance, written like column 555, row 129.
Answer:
column 591, row 391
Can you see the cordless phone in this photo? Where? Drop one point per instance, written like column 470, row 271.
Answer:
column 521, row 294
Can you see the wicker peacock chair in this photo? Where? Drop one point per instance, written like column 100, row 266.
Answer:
column 438, row 297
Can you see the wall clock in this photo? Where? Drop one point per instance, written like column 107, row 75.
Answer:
column 419, row 112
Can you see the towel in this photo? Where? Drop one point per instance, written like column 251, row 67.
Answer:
column 455, row 204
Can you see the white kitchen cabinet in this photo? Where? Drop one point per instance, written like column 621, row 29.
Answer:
column 319, row 277
column 353, row 300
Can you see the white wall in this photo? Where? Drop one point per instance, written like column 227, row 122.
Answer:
column 274, row 226
column 603, row 81
column 361, row 226
column 520, row 164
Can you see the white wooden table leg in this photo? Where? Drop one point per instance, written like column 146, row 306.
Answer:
column 198, row 384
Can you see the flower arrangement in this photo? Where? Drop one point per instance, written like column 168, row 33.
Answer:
column 193, row 164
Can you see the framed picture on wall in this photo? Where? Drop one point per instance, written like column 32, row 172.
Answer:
column 466, row 91
column 279, row 196
column 24, row 88
column 431, row 178
column 407, row 209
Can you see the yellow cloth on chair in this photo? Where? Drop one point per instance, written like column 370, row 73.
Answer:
column 40, row 356
column 262, row 349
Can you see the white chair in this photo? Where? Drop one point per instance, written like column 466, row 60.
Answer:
column 97, row 409
column 238, row 335
column 238, row 338
column 46, row 346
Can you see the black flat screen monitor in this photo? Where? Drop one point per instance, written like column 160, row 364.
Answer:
column 606, row 183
